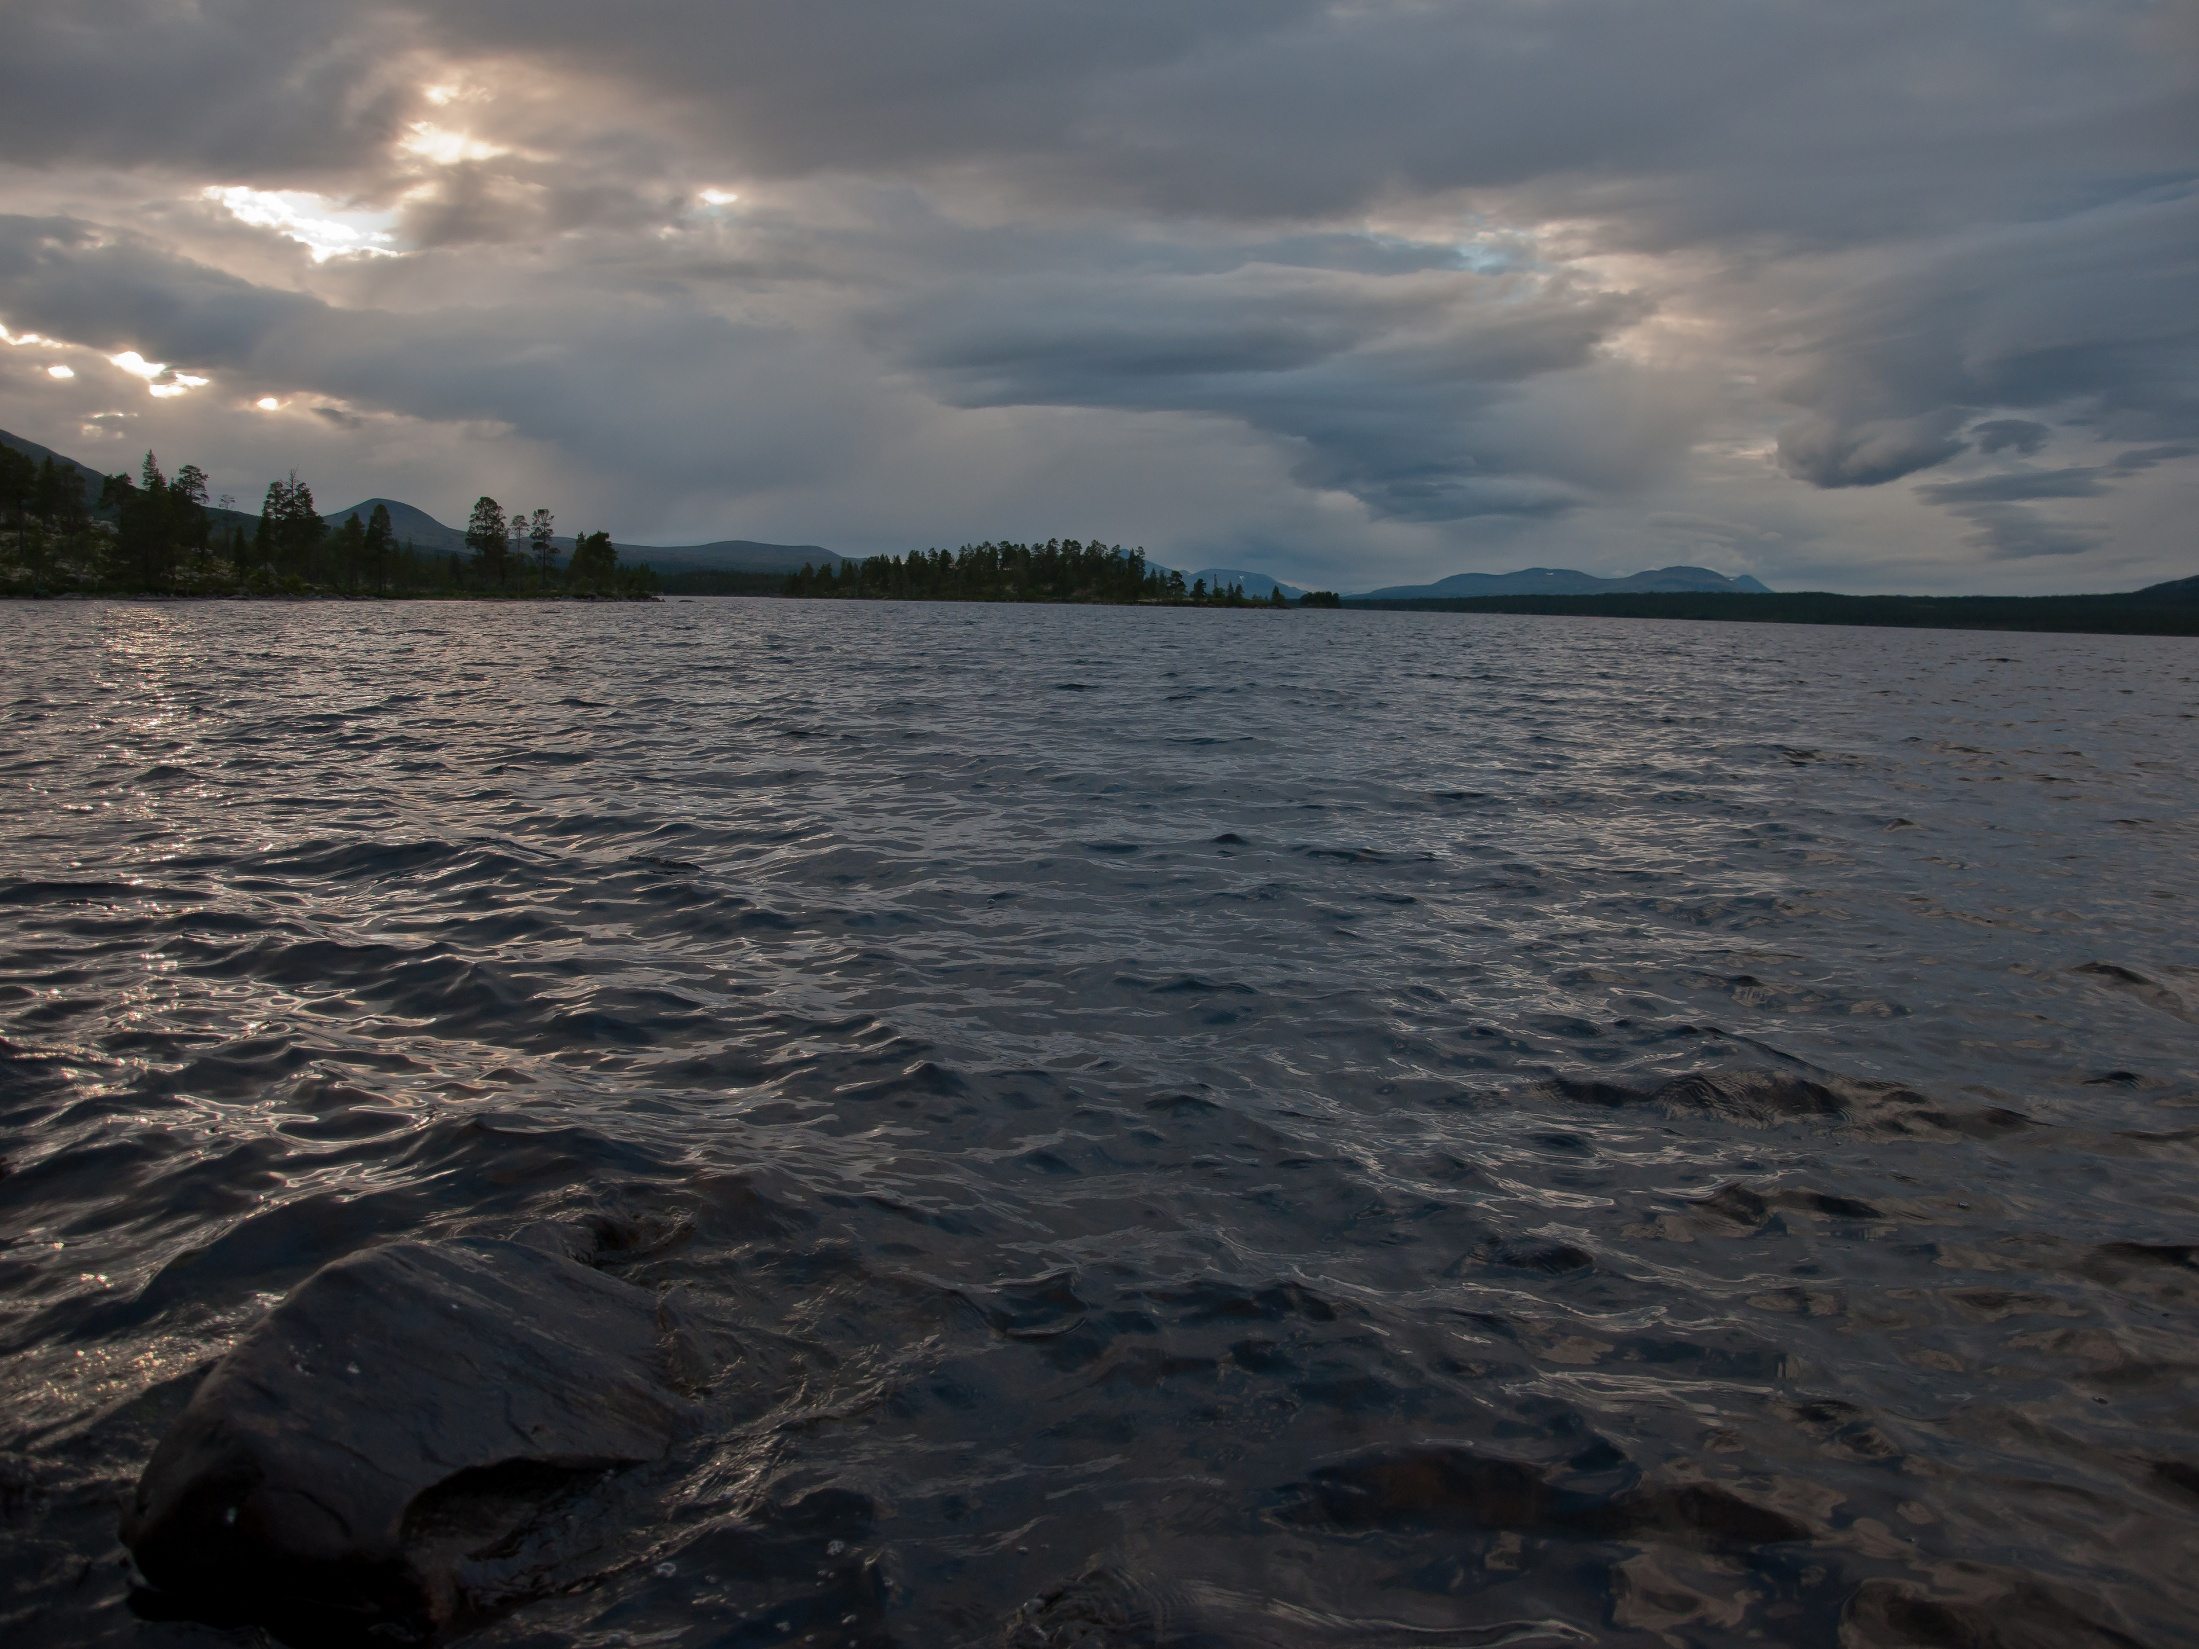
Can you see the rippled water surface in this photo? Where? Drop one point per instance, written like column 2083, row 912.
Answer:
column 1334, row 1128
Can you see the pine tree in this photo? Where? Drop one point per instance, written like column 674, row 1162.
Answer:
column 141, row 549
column 485, row 536
column 347, row 551
column 595, row 565
column 18, row 486
column 267, row 536
column 187, row 515
column 540, row 528
column 375, row 550
column 145, row 531
column 292, row 529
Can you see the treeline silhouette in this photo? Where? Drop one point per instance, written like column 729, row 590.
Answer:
column 1061, row 569
column 2163, row 610
column 155, row 535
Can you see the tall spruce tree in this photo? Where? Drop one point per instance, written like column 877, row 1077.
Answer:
column 18, row 486
column 377, row 548
column 142, row 553
column 187, row 516
column 288, row 542
column 485, row 536
column 306, row 529
column 347, row 552
column 541, row 540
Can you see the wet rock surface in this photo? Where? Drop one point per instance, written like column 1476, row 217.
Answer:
column 371, row 1460
column 1100, row 1609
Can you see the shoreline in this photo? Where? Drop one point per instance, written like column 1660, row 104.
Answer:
column 2033, row 615
column 2036, row 614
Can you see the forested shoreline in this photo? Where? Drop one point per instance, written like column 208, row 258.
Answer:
column 2167, row 610
column 1059, row 570
column 63, row 533
column 157, row 534
column 160, row 535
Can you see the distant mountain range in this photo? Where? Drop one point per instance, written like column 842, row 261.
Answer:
column 424, row 532
column 1563, row 581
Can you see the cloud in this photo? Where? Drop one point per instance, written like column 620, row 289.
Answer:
column 1398, row 389
column 1430, row 283
column 1721, row 116
column 2144, row 458
column 2077, row 481
column 2090, row 312
column 2009, row 532
column 324, row 230
column 2017, row 435
column 517, row 365
column 1714, row 530
column 275, row 88
column 1826, row 453
column 123, row 293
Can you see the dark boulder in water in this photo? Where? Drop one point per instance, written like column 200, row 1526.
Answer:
column 1102, row 1608
column 361, row 1459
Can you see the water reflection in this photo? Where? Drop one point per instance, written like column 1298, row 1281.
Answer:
column 1286, row 1127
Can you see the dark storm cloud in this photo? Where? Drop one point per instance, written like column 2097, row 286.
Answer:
column 1712, row 116
column 1868, row 453
column 2092, row 312
column 2018, row 435
column 76, row 280
column 1383, row 387
column 1808, row 117
column 1482, row 262
column 290, row 89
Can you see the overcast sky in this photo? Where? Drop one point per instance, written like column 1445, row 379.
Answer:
column 1850, row 294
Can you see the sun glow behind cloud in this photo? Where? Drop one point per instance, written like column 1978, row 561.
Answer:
column 159, row 380
column 309, row 220
column 442, row 147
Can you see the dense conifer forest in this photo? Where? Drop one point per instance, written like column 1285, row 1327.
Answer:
column 156, row 534
column 2162, row 610
column 1059, row 570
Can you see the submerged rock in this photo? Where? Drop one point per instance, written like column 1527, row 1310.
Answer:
column 361, row 1459
column 1102, row 1608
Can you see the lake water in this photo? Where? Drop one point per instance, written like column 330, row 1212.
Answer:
column 1334, row 1128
